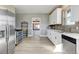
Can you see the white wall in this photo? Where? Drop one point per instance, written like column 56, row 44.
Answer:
column 28, row 18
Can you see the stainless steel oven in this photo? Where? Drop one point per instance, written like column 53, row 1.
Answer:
column 69, row 45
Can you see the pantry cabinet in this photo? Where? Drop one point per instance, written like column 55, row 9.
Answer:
column 55, row 17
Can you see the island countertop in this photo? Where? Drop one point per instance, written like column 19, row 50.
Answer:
column 73, row 35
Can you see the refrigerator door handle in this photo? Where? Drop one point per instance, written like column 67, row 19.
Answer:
column 7, row 37
column 6, row 34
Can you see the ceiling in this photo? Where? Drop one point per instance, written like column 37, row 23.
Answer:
column 45, row 9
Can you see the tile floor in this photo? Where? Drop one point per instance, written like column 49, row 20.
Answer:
column 35, row 46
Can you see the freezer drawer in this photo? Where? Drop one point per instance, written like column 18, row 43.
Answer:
column 3, row 46
column 11, row 45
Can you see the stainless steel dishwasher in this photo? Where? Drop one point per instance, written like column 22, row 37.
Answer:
column 69, row 45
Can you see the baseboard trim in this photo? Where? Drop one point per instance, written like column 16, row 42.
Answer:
column 29, row 35
column 43, row 35
column 40, row 35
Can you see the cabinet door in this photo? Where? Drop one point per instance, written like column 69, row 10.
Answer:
column 53, row 37
column 58, row 38
column 58, row 21
column 52, row 18
column 48, row 34
column 55, row 16
column 49, row 19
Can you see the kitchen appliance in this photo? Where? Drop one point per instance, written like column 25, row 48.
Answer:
column 19, row 36
column 3, row 40
column 69, row 45
column 11, row 33
column 7, row 32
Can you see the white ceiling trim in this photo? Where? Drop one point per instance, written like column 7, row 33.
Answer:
column 34, row 9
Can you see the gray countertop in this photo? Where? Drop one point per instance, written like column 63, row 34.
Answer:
column 73, row 35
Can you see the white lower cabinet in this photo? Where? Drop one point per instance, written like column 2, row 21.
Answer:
column 58, row 38
column 55, row 38
column 49, row 34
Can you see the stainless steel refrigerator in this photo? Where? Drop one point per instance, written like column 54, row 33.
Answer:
column 11, row 34
column 7, row 32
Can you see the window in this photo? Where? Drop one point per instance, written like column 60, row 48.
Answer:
column 69, row 20
column 36, row 23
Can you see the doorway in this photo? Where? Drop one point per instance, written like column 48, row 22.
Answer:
column 36, row 27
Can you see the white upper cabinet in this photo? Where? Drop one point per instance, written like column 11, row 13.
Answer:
column 55, row 17
column 54, row 36
column 58, row 21
column 49, row 19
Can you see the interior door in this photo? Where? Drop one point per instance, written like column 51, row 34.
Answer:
column 36, row 28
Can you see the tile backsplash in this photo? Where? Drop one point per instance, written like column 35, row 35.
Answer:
column 66, row 28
